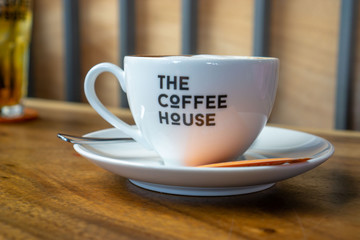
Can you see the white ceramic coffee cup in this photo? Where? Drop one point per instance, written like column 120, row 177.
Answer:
column 192, row 110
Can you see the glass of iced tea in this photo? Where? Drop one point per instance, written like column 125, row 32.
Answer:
column 15, row 32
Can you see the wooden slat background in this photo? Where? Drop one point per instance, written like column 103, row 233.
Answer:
column 47, row 53
column 356, row 80
column 303, row 34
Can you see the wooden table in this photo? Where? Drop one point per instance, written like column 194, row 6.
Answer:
column 48, row 191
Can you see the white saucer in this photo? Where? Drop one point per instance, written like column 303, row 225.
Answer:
column 145, row 168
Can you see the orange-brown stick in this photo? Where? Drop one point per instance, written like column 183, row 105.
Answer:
column 256, row 162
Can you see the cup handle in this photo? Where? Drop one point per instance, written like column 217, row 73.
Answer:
column 89, row 88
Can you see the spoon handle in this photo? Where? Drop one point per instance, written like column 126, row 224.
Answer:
column 242, row 163
column 90, row 140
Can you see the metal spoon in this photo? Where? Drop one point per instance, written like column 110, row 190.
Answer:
column 242, row 163
column 90, row 140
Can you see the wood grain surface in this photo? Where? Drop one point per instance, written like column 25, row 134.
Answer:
column 47, row 191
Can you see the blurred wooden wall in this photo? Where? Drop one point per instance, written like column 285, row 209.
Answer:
column 304, row 35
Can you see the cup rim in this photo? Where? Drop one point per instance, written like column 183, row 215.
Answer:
column 202, row 57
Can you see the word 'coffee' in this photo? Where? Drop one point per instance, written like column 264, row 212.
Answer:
column 186, row 102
